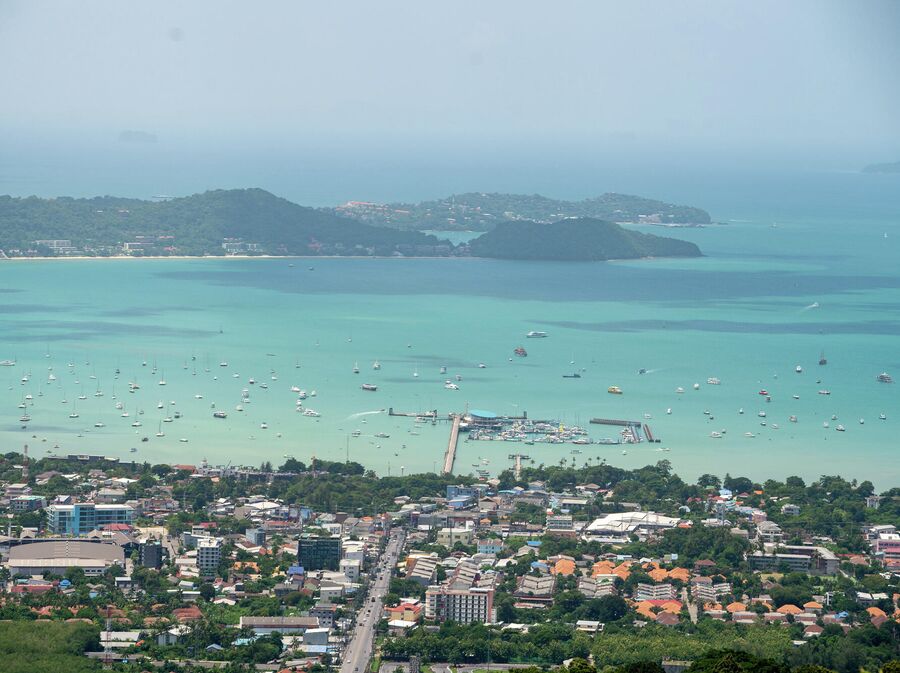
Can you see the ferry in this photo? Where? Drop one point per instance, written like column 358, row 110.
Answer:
column 536, row 335
column 520, row 352
column 614, row 390
column 369, row 386
column 884, row 377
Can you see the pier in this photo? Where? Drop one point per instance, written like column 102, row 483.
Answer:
column 635, row 426
column 450, row 456
column 518, row 457
column 428, row 415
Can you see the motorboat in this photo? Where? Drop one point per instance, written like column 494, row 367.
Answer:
column 451, row 386
column 713, row 381
column 840, row 428
column 798, row 369
column 520, row 352
column 369, row 386
column 376, row 365
column 219, row 414
column 536, row 335
column 614, row 390
column 884, row 377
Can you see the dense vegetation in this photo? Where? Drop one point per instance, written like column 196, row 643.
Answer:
column 47, row 647
column 477, row 211
column 576, row 240
column 198, row 225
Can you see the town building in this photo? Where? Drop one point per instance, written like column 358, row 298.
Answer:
column 654, row 592
column 82, row 518
column 209, row 554
column 796, row 558
column 150, row 554
column 57, row 556
column 618, row 527
column 319, row 553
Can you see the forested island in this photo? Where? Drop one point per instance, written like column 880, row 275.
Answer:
column 893, row 167
column 255, row 222
column 581, row 239
column 477, row 211
column 220, row 222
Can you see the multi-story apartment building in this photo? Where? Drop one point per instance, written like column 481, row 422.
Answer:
column 464, row 606
column 209, row 554
column 82, row 518
column 654, row 592
column 319, row 553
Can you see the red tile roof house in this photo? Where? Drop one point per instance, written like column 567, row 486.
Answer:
column 812, row 630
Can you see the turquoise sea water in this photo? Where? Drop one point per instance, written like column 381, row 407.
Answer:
column 764, row 300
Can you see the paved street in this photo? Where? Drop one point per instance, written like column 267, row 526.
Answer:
column 359, row 648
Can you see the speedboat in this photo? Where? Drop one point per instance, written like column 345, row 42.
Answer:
column 824, row 392
column 219, row 414
column 614, row 390
column 536, row 335
column 713, row 381
column 840, row 428
column 679, row 390
column 764, row 392
column 451, row 386
column 715, row 435
column 884, row 377
column 369, row 386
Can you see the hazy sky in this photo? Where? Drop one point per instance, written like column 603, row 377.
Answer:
column 815, row 77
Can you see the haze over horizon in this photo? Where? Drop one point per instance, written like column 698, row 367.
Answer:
column 394, row 101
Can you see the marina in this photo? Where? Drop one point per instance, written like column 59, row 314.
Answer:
column 305, row 392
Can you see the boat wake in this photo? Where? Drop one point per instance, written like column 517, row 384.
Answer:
column 364, row 413
column 815, row 304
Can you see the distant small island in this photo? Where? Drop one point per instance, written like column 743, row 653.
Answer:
column 577, row 239
column 253, row 222
column 477, row 211
column 883, row 168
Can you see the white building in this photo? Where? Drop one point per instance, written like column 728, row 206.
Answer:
column 350, row 568
column 617, row 528
column 209, row 554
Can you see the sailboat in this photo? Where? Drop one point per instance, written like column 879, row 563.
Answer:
column 159, row 432
column 822, row 360
column 416, row 372
column 376, row 365
column 356, row 368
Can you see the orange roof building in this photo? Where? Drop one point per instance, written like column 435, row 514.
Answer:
column 564, row 567
column 736, row 607
column 789, row 609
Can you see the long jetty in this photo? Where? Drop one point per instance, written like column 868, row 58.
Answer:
column 450, row 455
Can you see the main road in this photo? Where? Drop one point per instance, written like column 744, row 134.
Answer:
column 359, row 648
